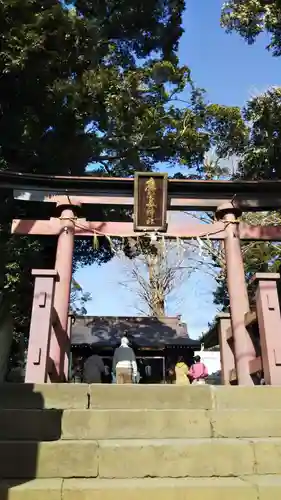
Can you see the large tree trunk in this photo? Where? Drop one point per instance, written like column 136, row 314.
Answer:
column 157, row 305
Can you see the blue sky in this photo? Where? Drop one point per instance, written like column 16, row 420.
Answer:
column 231, row 72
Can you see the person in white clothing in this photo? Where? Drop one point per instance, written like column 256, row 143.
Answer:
column 124, row 364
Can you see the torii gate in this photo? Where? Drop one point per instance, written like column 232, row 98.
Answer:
column 52, row 287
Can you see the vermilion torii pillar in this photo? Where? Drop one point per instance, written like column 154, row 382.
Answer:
column 60, row 343
column 238, row 296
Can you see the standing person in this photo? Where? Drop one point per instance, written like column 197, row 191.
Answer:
column 124, row 363
column 93, row 370
column 107, row 374
column 198, row 371
column 142, row 372
column 170, row 372
column 77, row 370
column 181, row 372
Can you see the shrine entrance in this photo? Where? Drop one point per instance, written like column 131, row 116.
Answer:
column 157, row 344
column 146, row 199
column 151, row 369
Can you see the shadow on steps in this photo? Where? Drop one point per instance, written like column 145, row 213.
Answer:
column 24, row 423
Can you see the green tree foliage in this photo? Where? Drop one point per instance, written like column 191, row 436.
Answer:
column 78, row 298
column 94, row 83
column 254, row 138
column 253, row 135
column 259, row 152
column 250, row 18
column 255, row 132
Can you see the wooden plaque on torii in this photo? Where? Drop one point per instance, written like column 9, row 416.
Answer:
column 150, row 202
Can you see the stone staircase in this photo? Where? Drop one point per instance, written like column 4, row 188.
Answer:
column 75, row 442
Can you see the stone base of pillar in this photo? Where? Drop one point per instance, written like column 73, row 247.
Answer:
column 269, row 321
column 40, row 326
column 226, row 351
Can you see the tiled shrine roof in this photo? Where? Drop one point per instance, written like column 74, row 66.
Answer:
column 142, row 331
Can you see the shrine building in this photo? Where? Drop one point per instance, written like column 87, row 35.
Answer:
column 156, row 342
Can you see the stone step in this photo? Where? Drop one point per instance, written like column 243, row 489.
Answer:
column 51, row 425
column 150, row 397
column 246, row 398
column 254, row 488
column 169, row 424
column 112, row 396
column 121, row 459
column 31, row 425
column 190, row 397
column 33, row 396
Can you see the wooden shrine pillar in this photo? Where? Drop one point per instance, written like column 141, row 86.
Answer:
column 244, row 350
column 60, row 341
column 269, row 321
column 40, row 326
column 226, row 352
